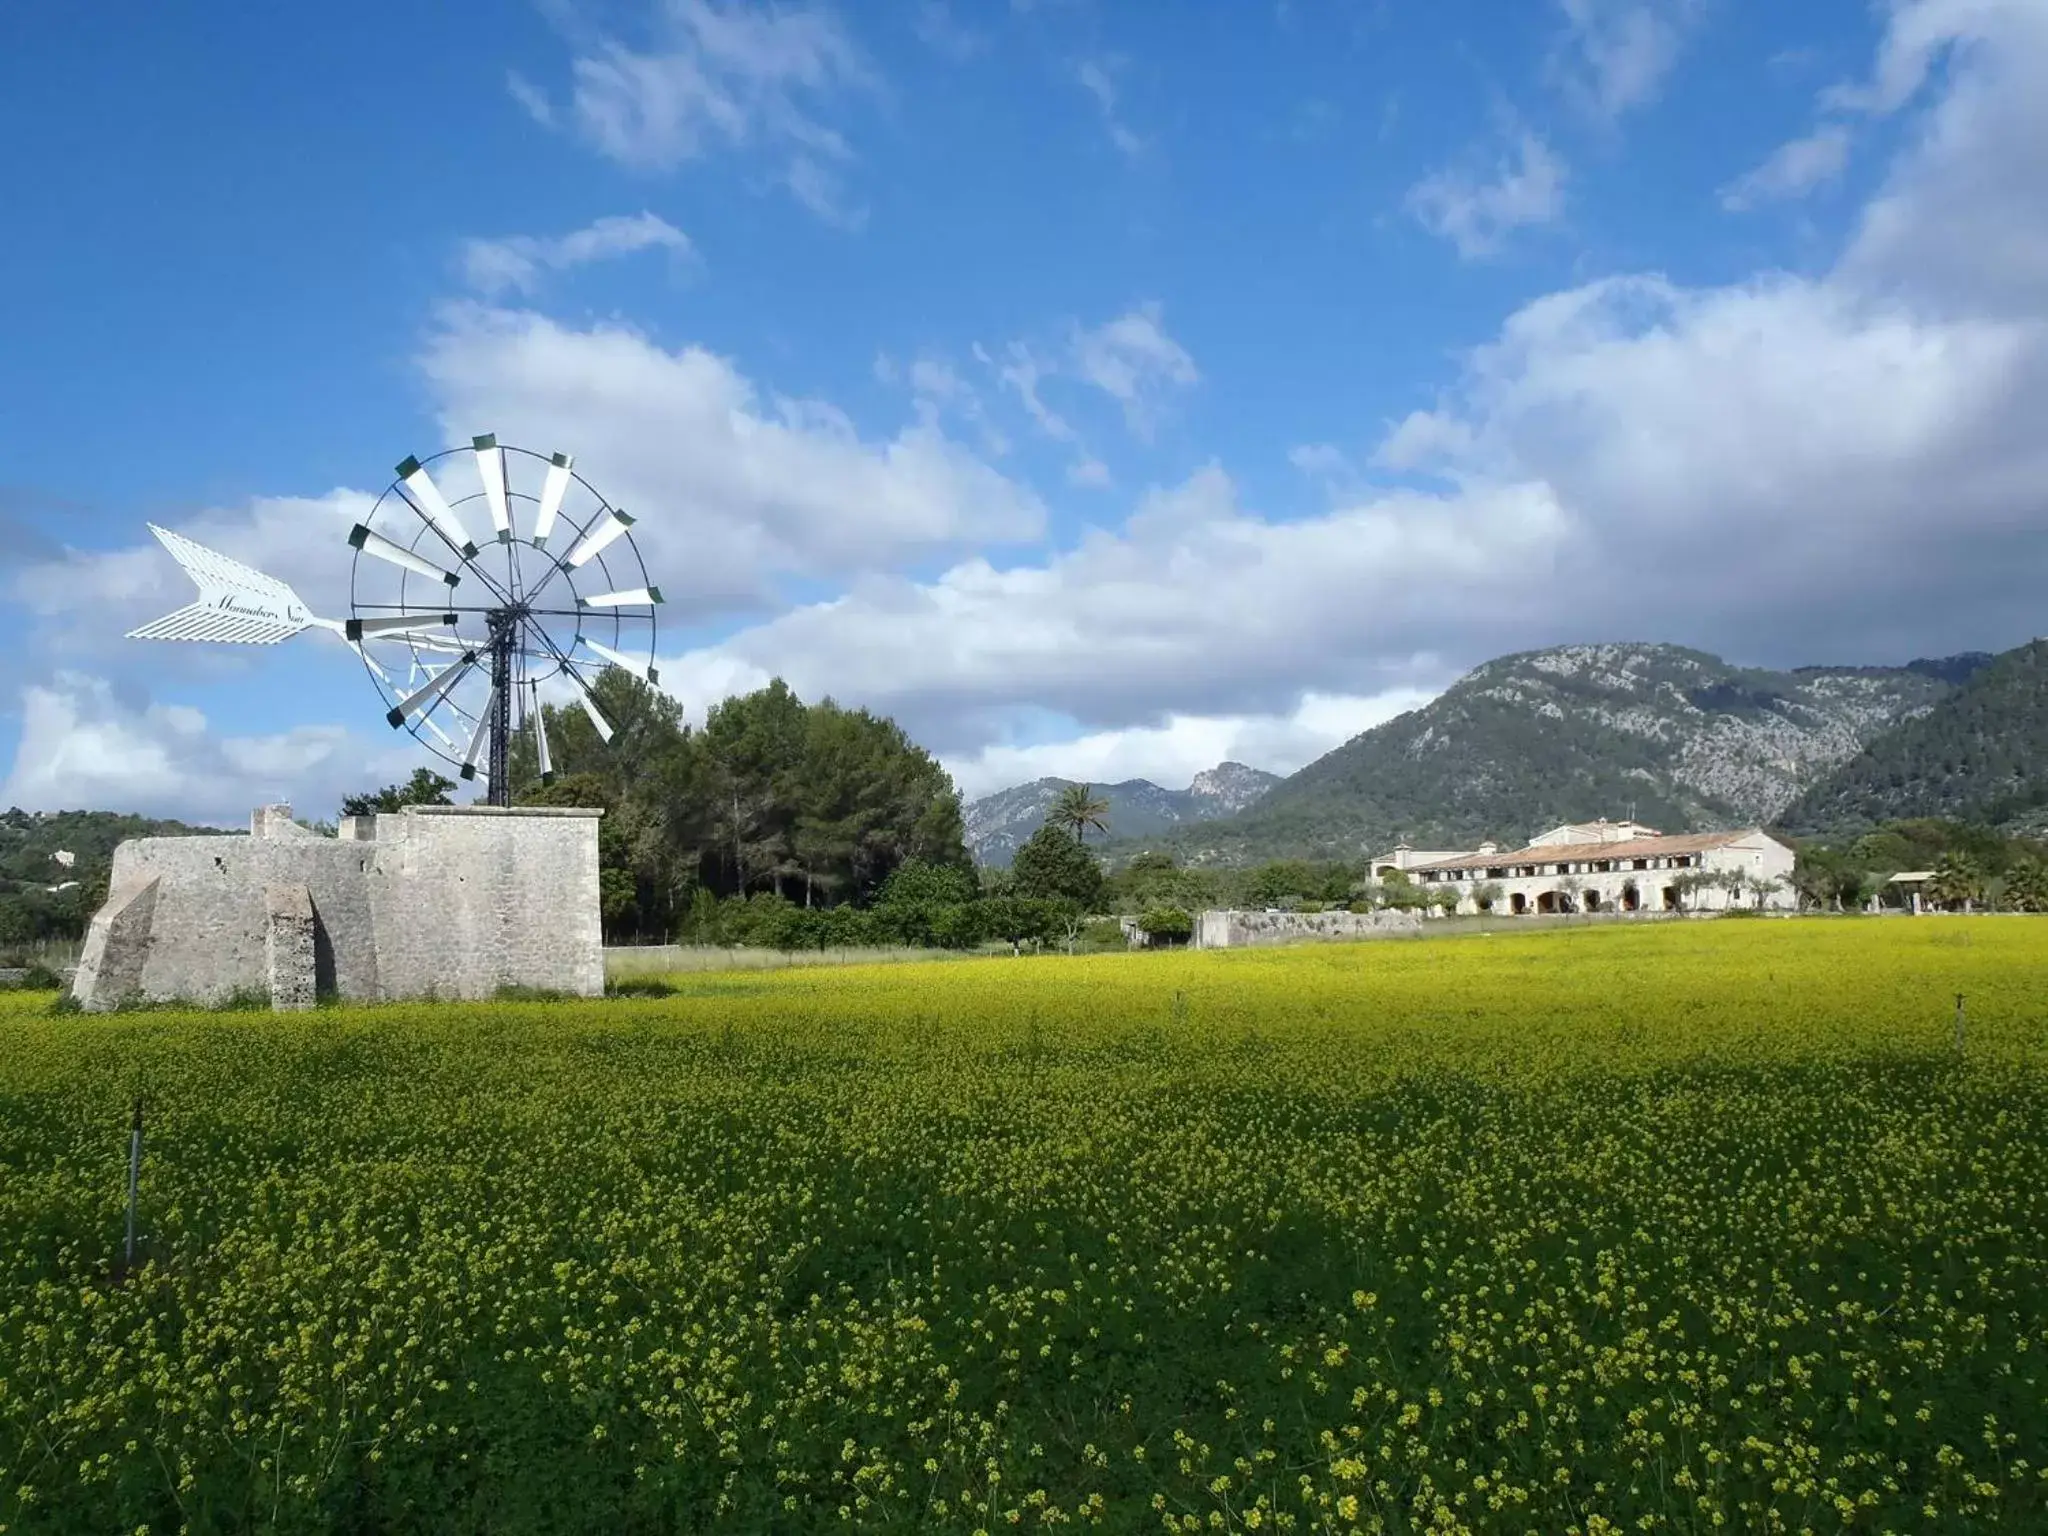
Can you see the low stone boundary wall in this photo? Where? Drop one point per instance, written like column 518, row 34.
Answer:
column 12, row 976
column 1237, row 930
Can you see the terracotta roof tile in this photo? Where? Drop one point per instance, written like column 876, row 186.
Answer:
column 1572, row 853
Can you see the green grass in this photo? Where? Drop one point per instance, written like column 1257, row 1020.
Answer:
column 629, row 961
column 1686, row 1227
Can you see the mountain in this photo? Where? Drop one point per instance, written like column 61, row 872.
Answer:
column 998, row 824
column 1227, row 789
column 1675, row 737
column 1980, row 754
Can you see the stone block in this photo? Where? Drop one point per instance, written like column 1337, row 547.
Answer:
column 290, row 944
column 112, row 964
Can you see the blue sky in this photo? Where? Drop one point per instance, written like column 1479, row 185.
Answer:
column 1101, row 389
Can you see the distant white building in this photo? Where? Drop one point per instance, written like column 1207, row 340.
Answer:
column 1609, row 866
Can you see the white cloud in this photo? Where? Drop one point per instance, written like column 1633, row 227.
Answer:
column 517, row 262
column 1621, row 50
column 938, row 393
column 1792, row 170
column 1133, row 361
column 1021, row 371
column 821, row 191
column 720, row 76
column 531, row 98
column 1196, row 607
column 1990, row 122
column 1917, row 34
column 944, row 33
column 733, row 490
column 1477, row 212
column 1130, row 358
column 1097, row 78
column 85, row 745
column 1962, row 223
column 1172, row 753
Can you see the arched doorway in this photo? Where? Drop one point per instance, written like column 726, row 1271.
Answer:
column 1670, row 898
column 1548, row 902
column 1631, row 898
column 1518, row 904
column 1592, row 901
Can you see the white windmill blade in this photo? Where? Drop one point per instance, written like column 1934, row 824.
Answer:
column 603, row 726
column 371, row 542
column 589, row 703
column 490, row 468
column 647, row 672
column 237, row 603
column 598, row 539
column 540, row 741
column 430, row 693
column 551, row 493
column 426, row 499
column 627, row 599
column 395, row 624
column 480, row 737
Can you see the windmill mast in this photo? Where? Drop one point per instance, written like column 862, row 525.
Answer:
column 498, row 791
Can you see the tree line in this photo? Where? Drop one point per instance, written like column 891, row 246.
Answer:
column 1973, row 867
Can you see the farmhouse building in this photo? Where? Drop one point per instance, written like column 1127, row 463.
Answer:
column 1608, row 866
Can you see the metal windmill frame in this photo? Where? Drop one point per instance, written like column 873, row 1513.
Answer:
column 420, row 646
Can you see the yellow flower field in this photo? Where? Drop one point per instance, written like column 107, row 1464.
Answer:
column 1677, row 1228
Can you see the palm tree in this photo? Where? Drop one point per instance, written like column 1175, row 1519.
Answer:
column 2026, row 885
column 1078, row 809
column 1957, row 881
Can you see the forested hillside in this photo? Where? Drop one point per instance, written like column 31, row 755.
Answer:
column 1980, row 755
column 41, row 897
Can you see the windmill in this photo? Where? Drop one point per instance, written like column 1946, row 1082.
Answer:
column 461, row 639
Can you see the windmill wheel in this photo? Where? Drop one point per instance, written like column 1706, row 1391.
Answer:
column 467, row 604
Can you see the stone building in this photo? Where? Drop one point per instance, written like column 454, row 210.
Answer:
column 435, row 901
column 1610, row 866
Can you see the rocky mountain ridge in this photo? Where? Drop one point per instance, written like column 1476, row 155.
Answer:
column 998, row 824
column 1676, row 737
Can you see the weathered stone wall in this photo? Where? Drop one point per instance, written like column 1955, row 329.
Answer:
column 436, row 901
column 1235, row 930
column 476, row 898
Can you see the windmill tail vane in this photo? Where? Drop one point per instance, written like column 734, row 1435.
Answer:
column 237, row 604
column 516, row 625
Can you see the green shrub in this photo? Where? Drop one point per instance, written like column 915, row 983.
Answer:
column 1168, row 923
column 640, row 986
